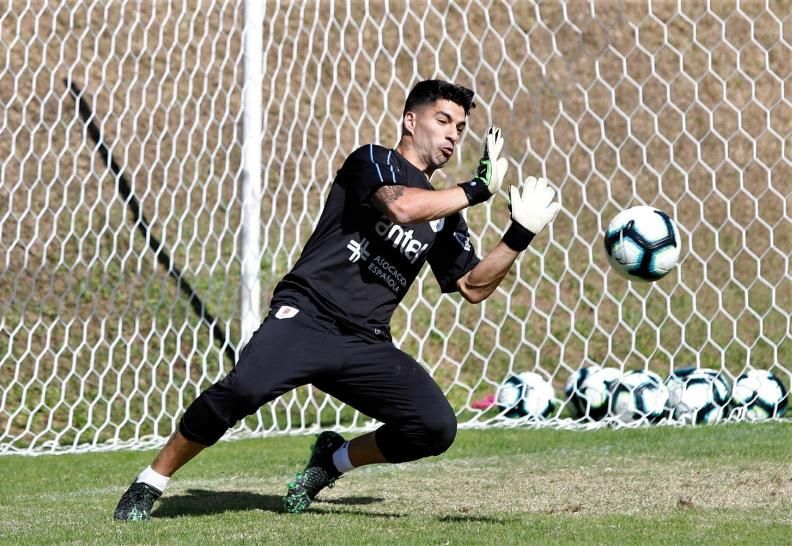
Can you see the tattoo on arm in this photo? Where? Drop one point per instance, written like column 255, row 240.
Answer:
column 386, row 195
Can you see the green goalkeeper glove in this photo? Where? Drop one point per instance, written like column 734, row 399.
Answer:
column 490, row 171
column 531, row 211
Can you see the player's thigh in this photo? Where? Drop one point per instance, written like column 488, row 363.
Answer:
column 281, row 355
column 387, row 384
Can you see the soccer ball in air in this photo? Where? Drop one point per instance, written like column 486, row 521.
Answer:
column 642, row 243
column 639, row 396
column 697, row 395
column 588, row 391
column 525, row 395
column 758, row 395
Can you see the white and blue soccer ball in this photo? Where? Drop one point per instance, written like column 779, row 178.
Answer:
column 638, row 396
column 642, row 243
column 588, row 391
column 525, row 395
column 759, row 395
column 697, row 395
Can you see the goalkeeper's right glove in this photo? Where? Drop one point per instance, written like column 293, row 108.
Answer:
column 490, row 171
column 531, row 211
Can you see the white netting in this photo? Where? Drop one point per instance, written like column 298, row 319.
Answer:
column 685, row 106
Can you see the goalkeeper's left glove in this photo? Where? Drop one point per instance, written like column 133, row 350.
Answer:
column 531, row 211
column 490, row 170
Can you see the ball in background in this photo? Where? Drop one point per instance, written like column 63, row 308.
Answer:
column 639, row 396
column 759, row 395
column 525, row 395
column 697, row 395
column 588, row 391
column 642, row 244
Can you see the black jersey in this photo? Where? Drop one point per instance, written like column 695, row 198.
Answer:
column 358, row 265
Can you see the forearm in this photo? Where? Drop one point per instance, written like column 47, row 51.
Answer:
column 414, row 205
column 481, row 281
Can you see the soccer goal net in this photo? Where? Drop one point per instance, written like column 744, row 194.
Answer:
column 122, row 201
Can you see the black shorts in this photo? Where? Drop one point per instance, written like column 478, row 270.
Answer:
column 303, row 347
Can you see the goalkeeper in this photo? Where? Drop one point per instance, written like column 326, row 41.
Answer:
column 329, row 319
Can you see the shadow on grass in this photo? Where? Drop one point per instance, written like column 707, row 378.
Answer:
column 472, row 519
column 199, row 502
column 351, row 500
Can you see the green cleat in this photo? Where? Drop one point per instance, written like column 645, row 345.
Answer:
column 320, row 472
column 136, row 502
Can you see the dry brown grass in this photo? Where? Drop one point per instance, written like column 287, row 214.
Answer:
column 617, row 104
column 612, row 486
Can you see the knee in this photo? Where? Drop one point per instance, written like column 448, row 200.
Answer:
column 431, row 434
column 438, row 433
column 217, row 409
column 200, row 423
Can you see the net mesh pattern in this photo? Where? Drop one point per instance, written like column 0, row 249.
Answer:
column 683, row 106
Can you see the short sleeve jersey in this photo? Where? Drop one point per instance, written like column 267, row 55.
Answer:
column 358, row 265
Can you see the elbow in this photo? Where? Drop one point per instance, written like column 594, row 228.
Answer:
column 472, row 298
column 399, row 214
column 471, row 295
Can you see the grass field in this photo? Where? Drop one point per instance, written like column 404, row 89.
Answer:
column 709, row 485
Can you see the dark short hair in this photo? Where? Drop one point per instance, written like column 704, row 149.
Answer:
column 429, row 91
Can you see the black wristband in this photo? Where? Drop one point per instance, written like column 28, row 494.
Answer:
column 517, row 237
column 476, row 191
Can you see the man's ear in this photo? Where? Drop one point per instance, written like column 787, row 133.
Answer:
column 409, row 123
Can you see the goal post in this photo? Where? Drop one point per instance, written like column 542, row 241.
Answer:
column 229, row 121
column 250, row 286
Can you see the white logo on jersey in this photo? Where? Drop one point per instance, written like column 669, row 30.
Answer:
column 437, row 225
column 462, row 239
column 359, row 250
column 401, row 239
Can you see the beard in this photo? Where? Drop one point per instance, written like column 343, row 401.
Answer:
column 439, row 160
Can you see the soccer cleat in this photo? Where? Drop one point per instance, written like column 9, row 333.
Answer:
column 136, row 502
column 320, row 472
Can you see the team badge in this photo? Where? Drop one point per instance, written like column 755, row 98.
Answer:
column 285, row 311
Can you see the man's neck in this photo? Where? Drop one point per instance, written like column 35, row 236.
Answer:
column 407, row 151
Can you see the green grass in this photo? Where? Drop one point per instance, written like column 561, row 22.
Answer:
column 713, row 485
